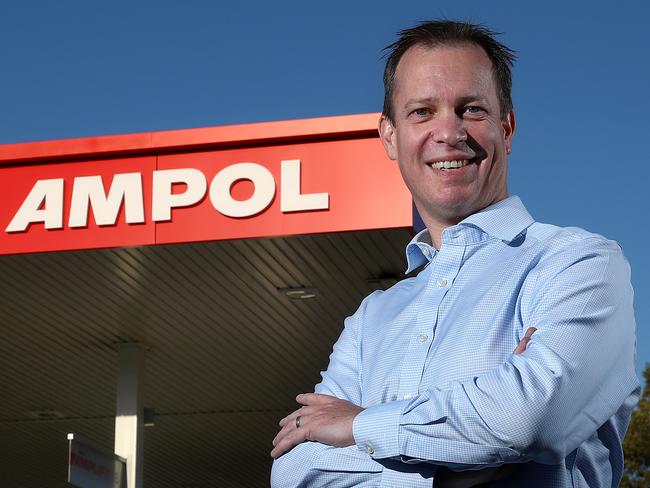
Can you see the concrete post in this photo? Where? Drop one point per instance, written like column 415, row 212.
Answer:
column 129, row 412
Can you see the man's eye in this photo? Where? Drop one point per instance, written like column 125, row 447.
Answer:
column 421, row 112
column 472, row 109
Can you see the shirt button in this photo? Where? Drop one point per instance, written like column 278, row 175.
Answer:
column 422, row 338
column 408, row 396
column 369, row 449
column 426, row 251
column 441, row 282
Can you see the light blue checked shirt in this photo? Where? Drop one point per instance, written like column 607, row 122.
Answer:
column 431, row 361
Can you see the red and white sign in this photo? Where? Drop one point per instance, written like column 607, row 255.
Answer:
column 264, row 190
column 90, row 466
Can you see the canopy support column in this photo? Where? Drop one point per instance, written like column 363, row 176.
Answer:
column 129, row 410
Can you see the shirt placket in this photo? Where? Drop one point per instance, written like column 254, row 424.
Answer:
column 440, row 275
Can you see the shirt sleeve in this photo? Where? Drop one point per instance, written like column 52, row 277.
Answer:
column 315, row 464
column 576, row 373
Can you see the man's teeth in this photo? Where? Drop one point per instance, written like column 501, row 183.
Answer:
column 456, row 163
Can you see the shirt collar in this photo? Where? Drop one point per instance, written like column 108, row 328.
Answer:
column 415, row 256
column 504, row 220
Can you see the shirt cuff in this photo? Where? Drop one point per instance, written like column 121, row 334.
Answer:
column 376, row 429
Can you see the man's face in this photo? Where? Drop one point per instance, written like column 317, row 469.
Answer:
column 448, row 136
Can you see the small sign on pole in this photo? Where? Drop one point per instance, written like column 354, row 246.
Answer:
column 90, row 466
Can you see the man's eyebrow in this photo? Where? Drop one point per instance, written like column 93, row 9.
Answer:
column 420, row 101
column 472, row 98
column 432, row 100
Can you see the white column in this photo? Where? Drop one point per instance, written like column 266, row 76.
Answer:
column 129, row 412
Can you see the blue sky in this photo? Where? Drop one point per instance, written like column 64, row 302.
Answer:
column 81, row 68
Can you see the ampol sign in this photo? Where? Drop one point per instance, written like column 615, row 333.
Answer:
column 44, row 204
column 181, row 190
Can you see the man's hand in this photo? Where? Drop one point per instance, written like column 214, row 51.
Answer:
column 322, row 418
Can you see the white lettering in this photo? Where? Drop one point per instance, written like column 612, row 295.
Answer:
column 261, row 198
column 89, row 191
column 291, row 200
column 43, row 204
column 163, row 198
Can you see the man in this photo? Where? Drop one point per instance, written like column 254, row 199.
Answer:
column 509, row 359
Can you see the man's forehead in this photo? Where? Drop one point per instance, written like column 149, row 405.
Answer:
column 465, row 68
column 463, row 53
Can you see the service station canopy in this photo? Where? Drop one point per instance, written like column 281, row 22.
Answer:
column 185, row 242
column 257, row 180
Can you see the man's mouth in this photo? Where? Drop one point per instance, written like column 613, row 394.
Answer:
column 452, row 164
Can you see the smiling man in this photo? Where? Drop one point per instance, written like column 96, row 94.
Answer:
column 447, row 131
column 509, row 359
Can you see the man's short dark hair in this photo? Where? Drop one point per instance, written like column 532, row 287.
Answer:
column 446, row 32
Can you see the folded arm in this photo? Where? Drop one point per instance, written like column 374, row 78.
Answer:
column 540, row 405
column 327, row 419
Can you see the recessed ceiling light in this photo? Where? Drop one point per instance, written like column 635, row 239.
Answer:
column 149, row 417
column 46, row 414
column 299, row 293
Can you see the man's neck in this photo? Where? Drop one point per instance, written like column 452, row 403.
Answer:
column 437, row 226
column 435, row 232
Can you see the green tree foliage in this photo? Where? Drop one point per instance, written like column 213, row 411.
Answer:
column 637, row 442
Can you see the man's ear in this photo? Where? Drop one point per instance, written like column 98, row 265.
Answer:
column 388, row 137
column 508, row 125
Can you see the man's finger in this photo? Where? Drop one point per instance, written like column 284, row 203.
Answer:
column 287, row 430
column 521, row 347
column 530, row 331
column 286, row 440
column 291, row 417
column 314, row 399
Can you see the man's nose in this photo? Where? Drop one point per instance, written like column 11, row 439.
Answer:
column 448, row 129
